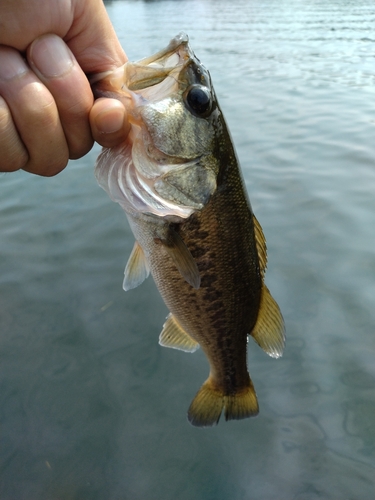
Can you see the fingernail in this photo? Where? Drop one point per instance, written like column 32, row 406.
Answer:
column 12, row 64
column 50, row 56
column 109, row 121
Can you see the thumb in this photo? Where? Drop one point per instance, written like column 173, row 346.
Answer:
column 92, row 38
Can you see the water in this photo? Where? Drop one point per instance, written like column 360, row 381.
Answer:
column 91, row 407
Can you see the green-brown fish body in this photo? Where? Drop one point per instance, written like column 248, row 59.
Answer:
column 178, row 179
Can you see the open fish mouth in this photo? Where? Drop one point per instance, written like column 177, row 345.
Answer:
column 160, row 168
column 145, row 74
column 155, row 69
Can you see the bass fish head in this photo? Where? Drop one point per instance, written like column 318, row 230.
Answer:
column 166, row 166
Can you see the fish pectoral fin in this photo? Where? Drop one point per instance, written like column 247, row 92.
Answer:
column 209, row 402
column 182, row 258
column 137, row 268
column 174, row 336
column 269, row 329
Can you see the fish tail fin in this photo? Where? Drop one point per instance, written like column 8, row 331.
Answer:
column 209, row 402
column 243, row 404
column 205, row 409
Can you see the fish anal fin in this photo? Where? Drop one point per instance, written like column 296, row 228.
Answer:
column 209, row 402
column 269, row 329
column 261, row 246
column 137, row 269
column 174, row 336
column 182, row 258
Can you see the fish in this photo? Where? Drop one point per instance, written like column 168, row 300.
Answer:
column 178, row 179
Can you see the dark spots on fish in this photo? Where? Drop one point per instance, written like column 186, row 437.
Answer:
column 215, row 309
column 194, row 227
column 212, row 296
column 231, row 382
column 208, row 280
column 232, row 378
column 225, row 342
column 203, row 234
column 217, row 319
column 219, row 322
column 198, row 252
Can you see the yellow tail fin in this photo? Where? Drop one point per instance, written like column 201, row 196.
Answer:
column 207, row 406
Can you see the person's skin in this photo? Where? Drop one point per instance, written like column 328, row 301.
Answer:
column 47, row 110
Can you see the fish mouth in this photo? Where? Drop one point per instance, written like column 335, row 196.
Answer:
column 144, row 74
column 155, row 69
column 151, row 78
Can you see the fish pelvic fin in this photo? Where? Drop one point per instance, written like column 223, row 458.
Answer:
column 182, row 258
column 137, row 268
column 174, row 336
column 209, row 403
column 269, row 329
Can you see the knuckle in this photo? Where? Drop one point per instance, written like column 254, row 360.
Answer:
column 47, row 167
column 13, row 154
column 81, row 149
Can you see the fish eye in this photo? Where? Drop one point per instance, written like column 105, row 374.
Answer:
column 199, row 99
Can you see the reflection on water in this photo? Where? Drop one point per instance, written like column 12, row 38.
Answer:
column 91, row 406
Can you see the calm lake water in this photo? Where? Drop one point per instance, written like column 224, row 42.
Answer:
column 91, row 407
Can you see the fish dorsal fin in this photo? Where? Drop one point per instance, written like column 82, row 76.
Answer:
column 137, row 269
column 182, row 258
column 174, row 336
column 260, row 241
column 269, row 330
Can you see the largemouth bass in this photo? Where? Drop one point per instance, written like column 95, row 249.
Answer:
column 177, row 177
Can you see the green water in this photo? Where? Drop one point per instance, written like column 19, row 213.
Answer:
column 91, row 407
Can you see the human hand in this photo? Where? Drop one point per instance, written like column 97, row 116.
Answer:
column 47, row 110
